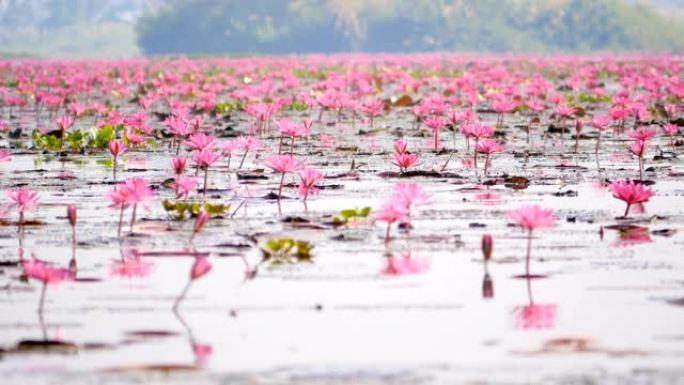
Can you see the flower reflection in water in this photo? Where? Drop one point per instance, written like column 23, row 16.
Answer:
column 405, row 265
column 131, row 265
column 201, row 351
column 632, row 236
column 534, row 316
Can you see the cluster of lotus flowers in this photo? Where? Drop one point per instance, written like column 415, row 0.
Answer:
column 176, row 103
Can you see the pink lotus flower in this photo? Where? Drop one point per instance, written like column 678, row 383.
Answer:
column 184, row 185
column 178, row 126
column 23, row 199
column 400, row 146
column 290, row 129
column 530, row 218
column 409, row 195
column 200, row 221
column 65, row 122
column 373, row 108
column 308, row 178
column 504, row 106
column 630, row 193
column 564, row 111
column 139, row 122
column 200, row 142
column 230, row 149
column 642, row 134
column 178, row 164
column 132, row 191
column 404, row 161
column 479, row 132
column 601, row 122
column 133, row 138
column 248, row 143
column 117, row 148
column 669, row 129
column 671, row 110
column 638, row 148
column 435, row 123
column 283, row 164
column 391, row 212
column 138, row 189
column 488, row 147
column 119, row 198
column 206, row 158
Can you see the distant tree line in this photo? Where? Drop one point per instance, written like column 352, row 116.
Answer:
column 305, row 26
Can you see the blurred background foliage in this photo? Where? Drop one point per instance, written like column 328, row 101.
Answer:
column 123, row 28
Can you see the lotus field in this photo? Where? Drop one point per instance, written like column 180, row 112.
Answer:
column 365, row 219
